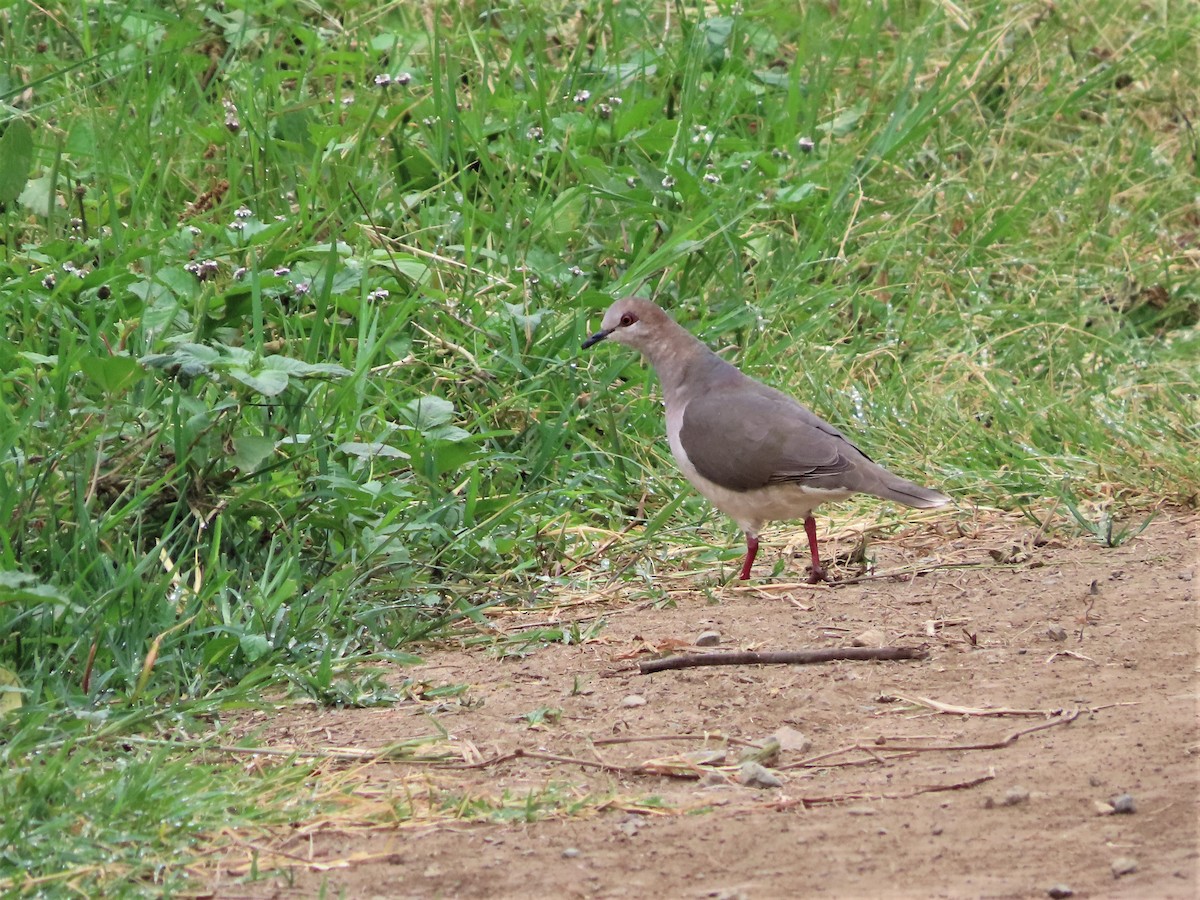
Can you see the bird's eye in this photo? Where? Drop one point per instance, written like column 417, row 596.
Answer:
column 628, row 319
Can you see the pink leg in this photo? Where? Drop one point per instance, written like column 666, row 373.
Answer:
column 751, row 552
column 818, row 572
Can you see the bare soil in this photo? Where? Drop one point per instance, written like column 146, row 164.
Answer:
column 1095, row 647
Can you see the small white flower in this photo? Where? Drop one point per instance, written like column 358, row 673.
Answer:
column 668, row 182
column 583, row 96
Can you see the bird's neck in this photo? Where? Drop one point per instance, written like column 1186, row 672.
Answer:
column 685, row 366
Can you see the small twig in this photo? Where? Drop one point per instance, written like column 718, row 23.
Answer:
column 973, row 710
column 1064, row 719
column 1071, row 653
column 807, row 802
column 780, row 657
column 521, row 753
column 654, row 738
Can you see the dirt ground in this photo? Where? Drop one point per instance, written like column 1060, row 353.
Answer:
column 893, row 782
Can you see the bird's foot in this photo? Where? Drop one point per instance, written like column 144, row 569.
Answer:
column 818, row 575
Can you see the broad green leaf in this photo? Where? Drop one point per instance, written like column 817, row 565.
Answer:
column 426, row 412
column 250, row 452
column 792, row 196
column 843, row 123
column 371, row 449
column 267, row 382
column 20, row 587
column 255, row 646
column 16, row 159
column 38, row 359
column 112, row 374
column 219, row 649
column 299, row 367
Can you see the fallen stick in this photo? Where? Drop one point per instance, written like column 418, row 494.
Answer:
column 808, row 802
column 779, row 657
column 1066, row 717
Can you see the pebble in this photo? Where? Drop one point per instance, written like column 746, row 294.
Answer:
column 1060, row 891
column 1015, row 796
column 752, row 774
column 633, row 700
column 792, row 740
column 871, row 638
column 1123, row 804
column 708, row 639
column 1056, row 633
column 1124, row 865
column 571, row 852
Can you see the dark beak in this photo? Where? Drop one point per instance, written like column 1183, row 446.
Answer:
column 595, row 338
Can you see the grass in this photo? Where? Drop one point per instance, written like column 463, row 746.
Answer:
column 292, row 300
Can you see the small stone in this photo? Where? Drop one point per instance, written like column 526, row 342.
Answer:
column 1102, row 808
column 1123, row 865
column 935, row 830
column 570, row 852
column 708, row 639
column 792, row 740
column 1123, row 804
column 629, row 827
column 1015, row 796
column 1095, row 781
column 1056, row 633
column 862, row 811
column 869, row 638
column 633, row 700
column 1060, row 891
column 752, row 774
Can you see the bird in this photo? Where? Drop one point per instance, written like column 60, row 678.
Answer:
column 754, row 452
